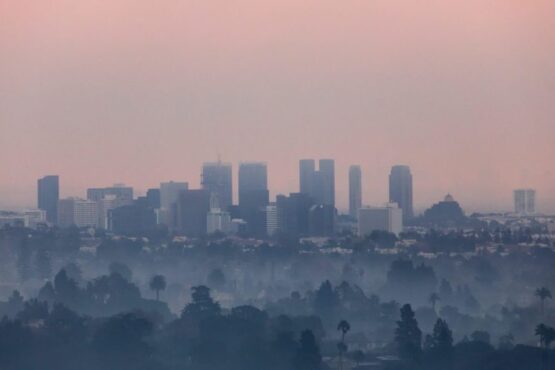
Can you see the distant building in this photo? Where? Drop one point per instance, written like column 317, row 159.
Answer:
column 271, row 219
column 322, row 220
column 318, row 184
column 306, row 171
column 169, row 194
column 192, row 211
column 388, row 218
column 78, row 212
column 445, row 213
column 400, row 190
column 108, row 203
column 153, row 198
column 293, row 213
column 34, row 217
column 48, row 194
column 355, row 190
column 132, row 220
column 118, row 190
column 218, row 221
column 525, row 201
column 217, row 180
column 253, row 196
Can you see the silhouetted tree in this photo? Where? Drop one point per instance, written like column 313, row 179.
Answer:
column 308, row 355
column 543, row 293
column 433, row 298
column 216, row 278
column 547, row 336
column 344, row 327
column 122, row 269
column 157, row 283
column 408, row 336
column 202, row 306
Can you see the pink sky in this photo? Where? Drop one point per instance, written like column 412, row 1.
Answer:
column 144, row 91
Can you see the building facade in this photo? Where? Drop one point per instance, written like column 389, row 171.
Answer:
column 355, row 190
column 525, row 201
column 400, row 190
column 48, row 194
column 388, row 218
column 217, row 180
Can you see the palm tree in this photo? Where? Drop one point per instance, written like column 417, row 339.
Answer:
column 434, row 297
column 547, row 336
column 543, row 293
column 158, row 283
column 344, row 327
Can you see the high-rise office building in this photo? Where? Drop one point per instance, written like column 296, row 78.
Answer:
column 322, row 220
column 217, row 180
column 293, row 213
column 400, row 190
column 388, row 218
column 169, row 194
column 355, row 190
column 271, row 219
column 327, row 169
column 525, row 201
column 306, row 173
column 48, row 191
column 318, row 184
column 253, row 196
column 78, row 212
column 252, row 176
column 192, row 211
column 153, row 198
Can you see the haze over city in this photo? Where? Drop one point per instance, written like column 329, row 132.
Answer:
column 139, row 93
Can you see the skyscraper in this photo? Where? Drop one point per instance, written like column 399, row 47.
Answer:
column 525, row 201
column 48, row 194
column 400, row 189
column 320, row 185
column 253, row 196
column 192, row 211
column 306, row 173
column 252, row 176
column 355, row 190
column 217, row 180
column 169, row 194
column 327, row 169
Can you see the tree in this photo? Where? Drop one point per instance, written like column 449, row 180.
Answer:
column 344, row 327
column 434, row 297
column 408, row 335
column 543, row 293
column 122, row 269
column 43, row 264
column 158, row 283
column 308, row 355
column 547, row 336
column 202, row 306
column 216, row 278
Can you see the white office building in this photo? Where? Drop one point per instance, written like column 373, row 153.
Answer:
column 271, row 219
column 78, row 212
column 218, row 221
column 388, row 218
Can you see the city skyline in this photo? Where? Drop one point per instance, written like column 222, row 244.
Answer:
column 261, row 178
column 135, row 93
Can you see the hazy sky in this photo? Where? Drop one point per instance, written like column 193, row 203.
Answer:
column 144, row 91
